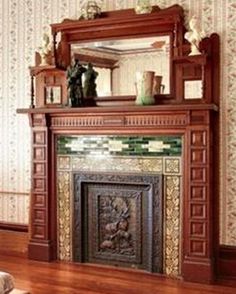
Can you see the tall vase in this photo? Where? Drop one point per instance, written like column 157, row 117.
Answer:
column 144, row 88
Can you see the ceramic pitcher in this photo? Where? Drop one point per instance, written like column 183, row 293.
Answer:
column 158, row 88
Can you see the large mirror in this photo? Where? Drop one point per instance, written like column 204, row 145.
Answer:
column 118, row 62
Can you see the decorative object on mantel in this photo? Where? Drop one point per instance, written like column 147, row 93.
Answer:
column 91, row 10
column 158, row 87
column 45, row 50
column 48, row 86
column 74, row 84
column 143, row 6
column 89, row 82
column 194, row 36
column 144, row 88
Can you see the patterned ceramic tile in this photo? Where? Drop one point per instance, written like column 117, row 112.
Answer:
column 172, row 225
column 64, row 162
column 64, row 216
column 172, row 165
column 119, row 145
column 119, row 164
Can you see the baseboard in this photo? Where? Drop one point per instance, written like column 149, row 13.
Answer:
column 198, row 272
column 13, row 243
column 226, row 265
column 13, row 227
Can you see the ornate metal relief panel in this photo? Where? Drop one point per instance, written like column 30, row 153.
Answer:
column 118, row 219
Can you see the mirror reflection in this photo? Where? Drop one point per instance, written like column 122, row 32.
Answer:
column 118, row 62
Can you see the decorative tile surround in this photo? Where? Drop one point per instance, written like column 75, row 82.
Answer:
column 21, row 27
column 77, row 153
column 115, row 146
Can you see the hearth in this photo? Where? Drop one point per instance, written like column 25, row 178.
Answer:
column 118, row 220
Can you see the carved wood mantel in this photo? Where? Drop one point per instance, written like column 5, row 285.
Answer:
column 196, row 120
column 195, row 124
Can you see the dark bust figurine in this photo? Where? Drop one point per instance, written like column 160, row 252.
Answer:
column 74, row 83
column 89, row 83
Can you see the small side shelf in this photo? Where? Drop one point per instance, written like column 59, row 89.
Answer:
column 196, row 59
column 35, row 70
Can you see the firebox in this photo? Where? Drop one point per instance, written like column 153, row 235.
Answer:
column 118, row 220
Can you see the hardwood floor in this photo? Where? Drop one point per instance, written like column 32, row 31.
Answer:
column 61, row 278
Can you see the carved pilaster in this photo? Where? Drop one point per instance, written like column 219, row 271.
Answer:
column 198, row 261
column 39, row 246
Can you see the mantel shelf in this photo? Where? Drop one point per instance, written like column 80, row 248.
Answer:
column 35, row 70
column 132, row 108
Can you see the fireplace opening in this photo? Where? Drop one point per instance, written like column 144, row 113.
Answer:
column 118, row 220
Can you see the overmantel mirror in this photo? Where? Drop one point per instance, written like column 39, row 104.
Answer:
column 123, row 46
column 121, row 43
column 118, row 61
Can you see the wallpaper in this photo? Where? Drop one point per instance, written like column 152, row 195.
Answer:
column 22, row 23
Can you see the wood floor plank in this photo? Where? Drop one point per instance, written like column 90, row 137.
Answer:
column 62, row 278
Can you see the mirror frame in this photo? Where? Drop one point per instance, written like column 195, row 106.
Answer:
column 122, row 24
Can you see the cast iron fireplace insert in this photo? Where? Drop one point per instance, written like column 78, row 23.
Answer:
column 118, row 220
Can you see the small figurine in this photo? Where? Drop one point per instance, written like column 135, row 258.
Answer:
column 74, row 83
column 45, row 49
column 90, row 11
column 89, row 82
column 194, row 36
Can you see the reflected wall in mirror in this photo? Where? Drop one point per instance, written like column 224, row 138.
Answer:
column 118, row 61
column 193, row 89
column 53, row 95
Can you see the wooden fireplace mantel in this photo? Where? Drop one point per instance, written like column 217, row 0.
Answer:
column 195, row 123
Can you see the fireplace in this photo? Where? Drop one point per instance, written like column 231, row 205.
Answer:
column 118, row 220
column 190, row 194
column 63, row 144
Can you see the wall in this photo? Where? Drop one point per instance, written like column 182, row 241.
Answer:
column 22, row 23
